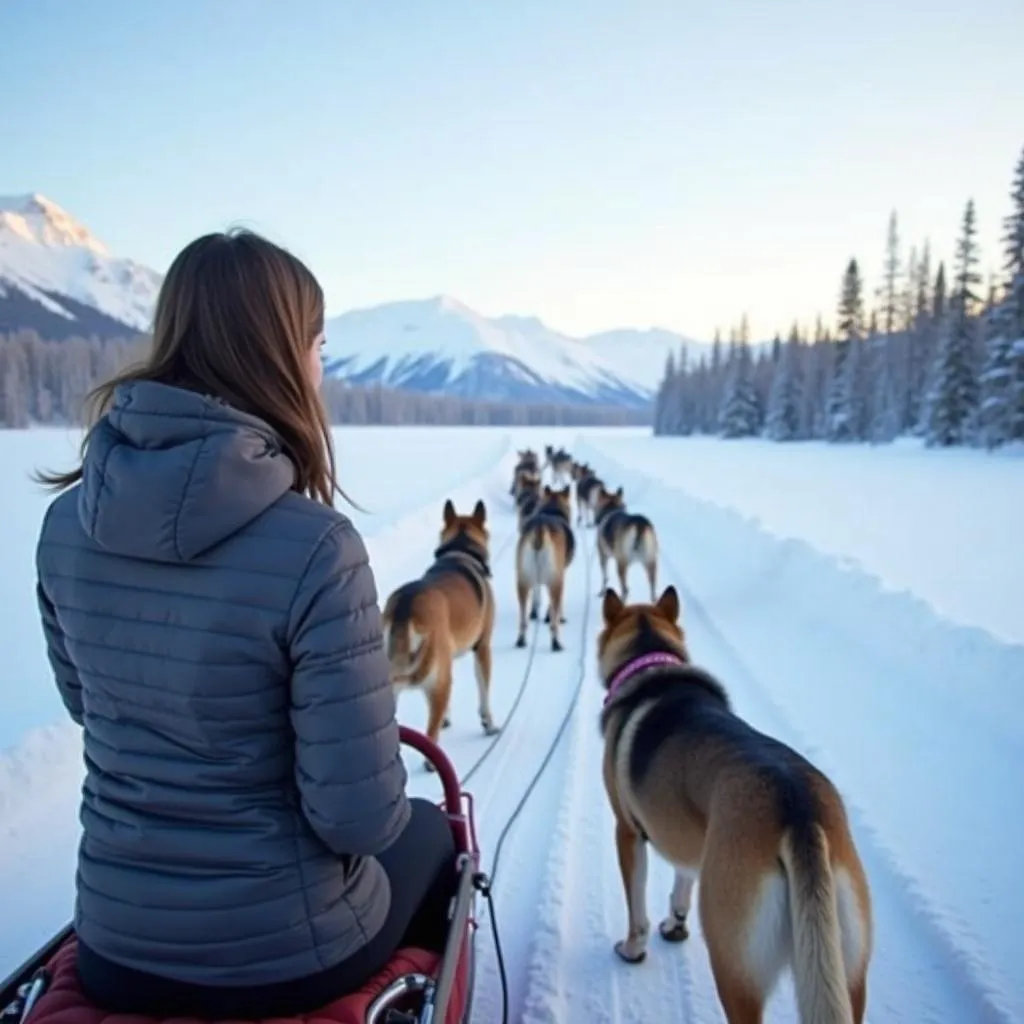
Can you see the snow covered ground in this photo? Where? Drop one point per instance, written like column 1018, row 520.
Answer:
column 906, row 692
column 943, row 525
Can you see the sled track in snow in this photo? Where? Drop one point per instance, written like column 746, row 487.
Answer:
column 588, row 550
column 505, row 746
column 544, row 715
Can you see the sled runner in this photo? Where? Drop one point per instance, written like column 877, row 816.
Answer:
column 416, row 987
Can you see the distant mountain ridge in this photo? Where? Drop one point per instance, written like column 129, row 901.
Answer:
column 58, row 279
column 441, row 346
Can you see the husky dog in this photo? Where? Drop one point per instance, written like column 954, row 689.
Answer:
column 781, row 883
column 560, row 462
column 528, row 463
column 448, row 611
column 588, row 487
column 545, row 550
column 625, row 537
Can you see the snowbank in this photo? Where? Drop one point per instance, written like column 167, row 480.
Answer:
column 941, row 523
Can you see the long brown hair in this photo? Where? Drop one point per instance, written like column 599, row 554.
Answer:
column 235, row 318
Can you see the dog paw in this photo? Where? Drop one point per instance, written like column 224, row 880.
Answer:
column 673, row 929
column 556, row 645
column 490, row 729
column 533, row 614
column 447, row 723
column 632, row 951
column 520, row 641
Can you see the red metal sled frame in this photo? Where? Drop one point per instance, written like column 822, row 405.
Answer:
column 442, row 995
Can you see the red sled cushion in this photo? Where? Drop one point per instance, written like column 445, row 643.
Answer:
column 64, row 1002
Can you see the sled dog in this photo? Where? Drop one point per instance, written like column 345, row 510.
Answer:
column 529, row 463
column 588, row 487
column 626, row 538
column 527, row 499
column 781, row 883
column 560, row 462
column 544, row 551
column 449, row 610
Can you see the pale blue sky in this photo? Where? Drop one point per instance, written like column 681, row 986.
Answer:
column 594, row 163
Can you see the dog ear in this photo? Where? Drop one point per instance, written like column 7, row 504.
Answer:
column 618, row 493
column 480, row 512
column 449, row 512
column 668, row 604
column 564, row 492
column 612, row 606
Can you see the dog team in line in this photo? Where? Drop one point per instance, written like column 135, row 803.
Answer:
column 781, row 882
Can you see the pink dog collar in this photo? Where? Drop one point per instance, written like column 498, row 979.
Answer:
column 631, row 668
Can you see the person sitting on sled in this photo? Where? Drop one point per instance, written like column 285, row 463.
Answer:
column 248, row 848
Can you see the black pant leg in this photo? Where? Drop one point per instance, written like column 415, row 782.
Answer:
column 421, row 868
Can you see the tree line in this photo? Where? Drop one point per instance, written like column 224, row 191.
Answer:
column 934, row 357
column 46, row 382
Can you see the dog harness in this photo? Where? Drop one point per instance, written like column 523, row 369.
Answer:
column 631, row 668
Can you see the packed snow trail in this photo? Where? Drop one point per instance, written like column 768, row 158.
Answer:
column 920, row 971
column 527, row 737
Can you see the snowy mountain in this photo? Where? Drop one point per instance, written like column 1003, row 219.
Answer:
column 60, row 280
column 441, row 346
column 643, row 353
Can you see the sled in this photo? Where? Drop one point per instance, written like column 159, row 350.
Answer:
column 416, row 987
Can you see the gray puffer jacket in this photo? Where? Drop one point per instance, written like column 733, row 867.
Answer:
column 218, row 636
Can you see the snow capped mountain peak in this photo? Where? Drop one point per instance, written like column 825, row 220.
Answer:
column 441, row 345
column 47, row 256
column 449, row 304
column 36, row 219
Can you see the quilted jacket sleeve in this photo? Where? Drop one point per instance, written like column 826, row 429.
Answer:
column 348, row 768
column 65, row 674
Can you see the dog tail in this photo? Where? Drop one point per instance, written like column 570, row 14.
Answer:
column 405, row 647
column 822, row 989
column 535, row 555
column 645, row 542
column 403, row 643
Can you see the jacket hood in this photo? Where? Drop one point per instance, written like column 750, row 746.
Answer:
column 169, row 473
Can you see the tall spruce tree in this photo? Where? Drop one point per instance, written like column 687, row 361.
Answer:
column 953, row 401
column 1013, row 249
column 741, row 412
column 851, row 330
column 996, row 406
column 892, row 272
column 1011, row 319
column 783, row 420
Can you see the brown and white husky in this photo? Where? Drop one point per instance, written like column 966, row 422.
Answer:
column 447, row 612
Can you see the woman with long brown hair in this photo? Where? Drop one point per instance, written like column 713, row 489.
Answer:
column 248, row 849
